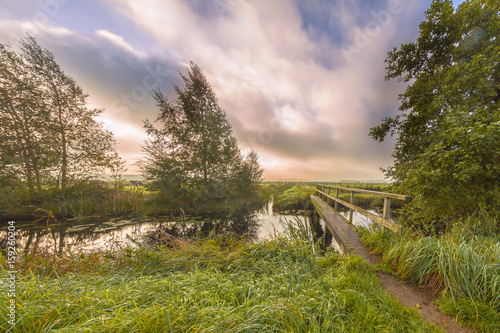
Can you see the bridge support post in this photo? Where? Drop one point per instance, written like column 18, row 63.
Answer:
column 314, row 223
column 327, row 238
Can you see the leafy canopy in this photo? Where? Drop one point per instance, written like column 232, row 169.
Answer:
column 448, row 147
column 49, row 136
column 194, row 153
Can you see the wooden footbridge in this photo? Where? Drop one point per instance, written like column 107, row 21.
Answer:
column 349, row 241
column 343, row 232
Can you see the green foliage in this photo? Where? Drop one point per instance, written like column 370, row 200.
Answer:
column 268, row 190
column 480, row 316
column 77, row 201
column 464, row 268
column 447, row 151
column 49, row 135
column 377, row 239
column 194, row 154
column 206, row 287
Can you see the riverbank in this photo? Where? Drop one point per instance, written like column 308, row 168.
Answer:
column 220, row 284
column 137, row 201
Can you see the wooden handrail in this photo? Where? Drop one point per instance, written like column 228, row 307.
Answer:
column 406, row 198
column 382, row 220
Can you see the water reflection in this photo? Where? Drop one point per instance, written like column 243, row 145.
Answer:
column 56, row 236
column 240, row 223
column 98, row 234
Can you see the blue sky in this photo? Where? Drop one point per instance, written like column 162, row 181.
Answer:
column 301, row 81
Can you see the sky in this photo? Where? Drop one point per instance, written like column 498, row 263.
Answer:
column 301, row 81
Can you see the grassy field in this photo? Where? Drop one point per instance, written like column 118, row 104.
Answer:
column 219, row 285
column 296, row 197
column 463, row 265
column 371, row 186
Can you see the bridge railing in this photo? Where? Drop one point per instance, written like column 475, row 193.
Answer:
column 383, row 220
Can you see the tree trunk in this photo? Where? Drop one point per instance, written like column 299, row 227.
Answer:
column 64, row 160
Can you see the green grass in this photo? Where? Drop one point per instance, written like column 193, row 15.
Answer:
column 270, row 189
column 219, row 285
column 464, row 264
column 363, row 200
column 297, row 197
column 365, row 186
column 85, row 200
column 76, row 202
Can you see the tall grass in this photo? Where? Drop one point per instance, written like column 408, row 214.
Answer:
column 464, row 264
column 462, row 267
column 76, row 202
column 218, row 285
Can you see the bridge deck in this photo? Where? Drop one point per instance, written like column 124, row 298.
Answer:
column 344, row 233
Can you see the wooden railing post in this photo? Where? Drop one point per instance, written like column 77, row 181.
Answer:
column 336, row 196
column 351, row 211
column 387, row 210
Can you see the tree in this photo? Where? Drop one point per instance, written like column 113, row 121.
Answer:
column 248, row 176
column 194, row 153
column 117, row 168
column 49, row 134
column 448, row 148
column 23, row 117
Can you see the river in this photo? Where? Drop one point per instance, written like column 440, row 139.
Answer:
column 94, row 234
column 107, row 234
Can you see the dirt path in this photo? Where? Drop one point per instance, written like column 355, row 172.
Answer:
column 407, row 294
column 423, row 301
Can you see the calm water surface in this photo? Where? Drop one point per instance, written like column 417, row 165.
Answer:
column 93, row 234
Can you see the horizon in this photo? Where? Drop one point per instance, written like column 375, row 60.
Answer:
column 360, row 181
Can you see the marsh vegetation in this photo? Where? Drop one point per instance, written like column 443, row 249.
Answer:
column 219, row 284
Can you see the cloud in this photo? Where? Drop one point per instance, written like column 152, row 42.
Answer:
column 119, row 41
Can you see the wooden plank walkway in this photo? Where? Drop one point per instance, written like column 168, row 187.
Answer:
column 345, row 234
